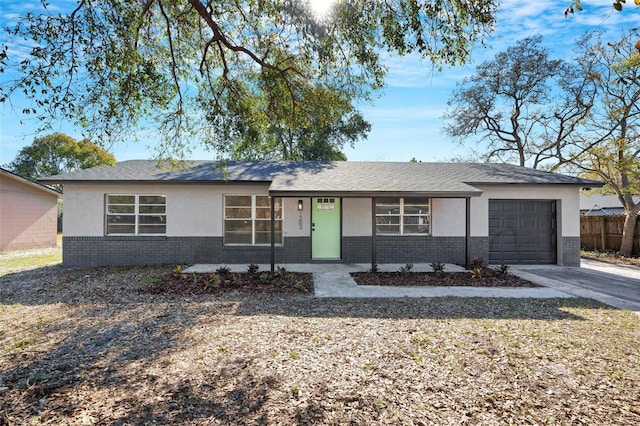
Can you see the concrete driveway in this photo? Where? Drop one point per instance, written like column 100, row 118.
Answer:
column 615, row 285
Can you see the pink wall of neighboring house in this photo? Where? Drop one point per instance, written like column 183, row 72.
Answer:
column 28, row 213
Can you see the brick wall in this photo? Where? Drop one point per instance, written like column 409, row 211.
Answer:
column 150, row 250
column 480, row 247
column 103, row 251
column 414, row 249
column 571, row 251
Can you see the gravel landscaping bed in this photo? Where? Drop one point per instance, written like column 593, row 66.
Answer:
column 90, row 346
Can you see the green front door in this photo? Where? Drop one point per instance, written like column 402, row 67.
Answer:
column 325, row 228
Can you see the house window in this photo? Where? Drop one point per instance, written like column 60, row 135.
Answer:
column 403, row 216
column 136, row 214
column 247, row 219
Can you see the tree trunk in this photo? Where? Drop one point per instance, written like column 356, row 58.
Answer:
column 628, row 231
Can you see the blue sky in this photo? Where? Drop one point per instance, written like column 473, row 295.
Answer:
column 407, row 116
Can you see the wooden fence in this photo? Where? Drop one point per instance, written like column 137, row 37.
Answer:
column 605, row 233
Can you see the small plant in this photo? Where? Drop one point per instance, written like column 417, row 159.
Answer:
column 374, row 268
column 294, row 355
column 252, row 269
column 503, row 269
column 281, row 271
column 299, row 285
column 177, row 271
column 295, row 391
column 212, row 281
column 223, row 270
column 477, row 272
column 195, row 278
column 21, row 343
column 437, row 266
column 477, row 262
column 266, row 277
column 406, row 269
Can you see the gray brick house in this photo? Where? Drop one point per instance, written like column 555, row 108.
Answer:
column 137, row 212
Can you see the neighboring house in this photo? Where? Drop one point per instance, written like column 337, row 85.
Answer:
column 211, row 212
column 602, row 205
column 28, row 213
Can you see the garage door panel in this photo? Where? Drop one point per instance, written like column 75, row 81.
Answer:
column 522, row 232
column 510, row 223
column 545, row 239
column 494, row 222
column 528, row 223
column 508, row 257
column 510, row 208
column 527, row 240
column 509, row 240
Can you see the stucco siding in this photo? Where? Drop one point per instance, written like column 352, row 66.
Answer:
column 195, row 210
column 568, row 205
column 28, row 216
column 448, row 217
column 356, row 217
column 296, row 223
column 192, row 210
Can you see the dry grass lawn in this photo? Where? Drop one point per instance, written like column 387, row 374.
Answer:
column 82, row 346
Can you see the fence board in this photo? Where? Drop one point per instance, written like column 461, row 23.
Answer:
column 605, row 233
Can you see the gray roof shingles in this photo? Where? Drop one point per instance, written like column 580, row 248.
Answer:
column 339, row 177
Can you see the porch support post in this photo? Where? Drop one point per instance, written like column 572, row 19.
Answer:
column 373, row 234
column 273, row 235
column 467, row 242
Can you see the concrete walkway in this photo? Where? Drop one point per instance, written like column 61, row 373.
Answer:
column 333, row 280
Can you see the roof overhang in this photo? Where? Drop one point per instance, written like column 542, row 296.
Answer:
column 371, row 194
column 35, row 185
column 150, row 182
column 583, row 184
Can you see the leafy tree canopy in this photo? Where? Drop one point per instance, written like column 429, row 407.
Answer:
column 315, row 129
column 612, row 134
column 192, row 68
column 58, row 153
column 577, row 5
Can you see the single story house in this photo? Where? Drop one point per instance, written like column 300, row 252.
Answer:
column 28, row 213
column 602, row 205
column 136, row 212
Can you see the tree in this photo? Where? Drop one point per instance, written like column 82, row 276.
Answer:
column 583, row 116
column 324, row 122
column 523, row 104
column 577, row 5
column 113, row 66
column 609, row 146
column 58, row 153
